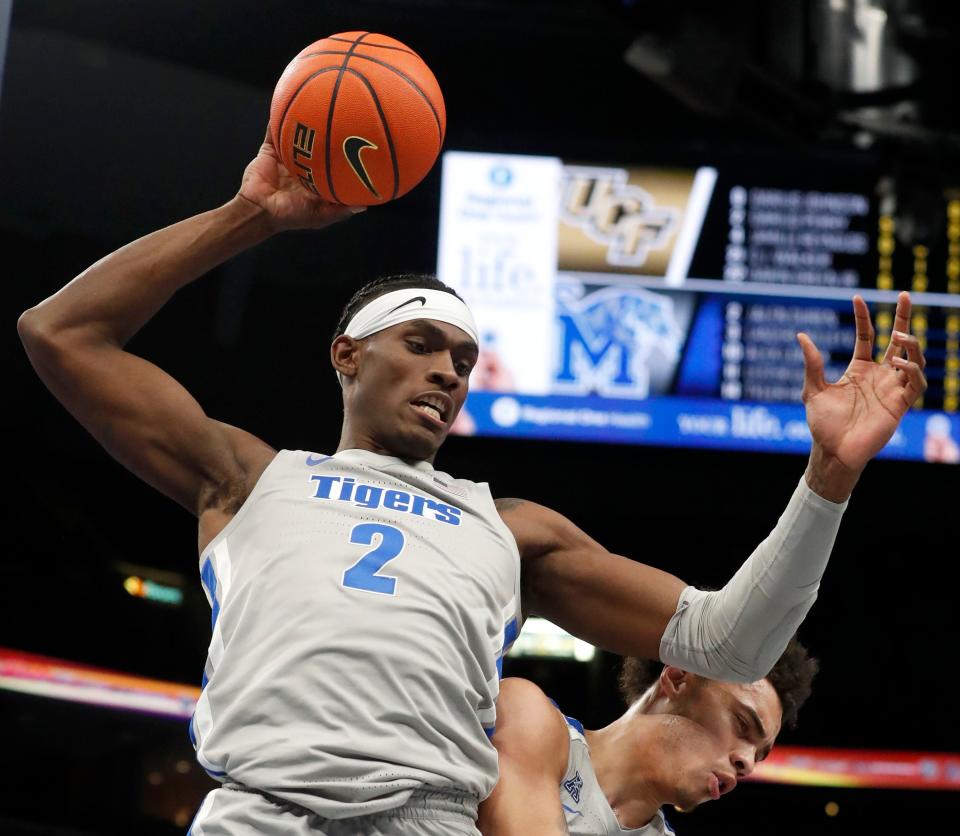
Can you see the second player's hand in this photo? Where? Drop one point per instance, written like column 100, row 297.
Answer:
column 853, row 419
column 267, row 183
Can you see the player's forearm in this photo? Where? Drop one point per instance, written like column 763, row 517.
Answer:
column 739, row 632
column 115, row 297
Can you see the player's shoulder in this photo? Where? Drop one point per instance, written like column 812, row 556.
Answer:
column 538, row 529
column 529, row 724
column 522, row 694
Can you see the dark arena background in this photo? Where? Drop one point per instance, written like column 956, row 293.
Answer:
column 117, row 118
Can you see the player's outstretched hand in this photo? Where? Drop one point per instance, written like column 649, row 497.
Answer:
column 267, row 183
column 851, row 420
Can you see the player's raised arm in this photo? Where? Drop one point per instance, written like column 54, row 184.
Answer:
column 738, row 632
column 532, row 747
column 734, row 634
column 140, row 414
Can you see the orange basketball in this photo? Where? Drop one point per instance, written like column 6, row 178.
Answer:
column 358, row 118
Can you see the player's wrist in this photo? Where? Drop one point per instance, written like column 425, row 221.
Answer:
column 828, row 477
column 250, row 219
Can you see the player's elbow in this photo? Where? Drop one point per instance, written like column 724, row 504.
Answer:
column 28, row 324
column 715, row 660
column 47, row 338
column 38, row 328
column 760, row 666
column 741, row 676
column 35, row 331
column 731, row 667
column 50, row 349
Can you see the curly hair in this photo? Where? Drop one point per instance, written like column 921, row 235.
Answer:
column 791, row 677
column 385, row 284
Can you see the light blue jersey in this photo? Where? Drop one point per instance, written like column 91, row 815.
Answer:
column 585, row 807
column 361, row 609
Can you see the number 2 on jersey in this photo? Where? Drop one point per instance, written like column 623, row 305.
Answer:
column 363, row 574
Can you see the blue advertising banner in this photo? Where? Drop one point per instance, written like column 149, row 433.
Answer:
column 672, row 421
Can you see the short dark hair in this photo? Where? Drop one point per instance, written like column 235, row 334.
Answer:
column 791, row 677
column 385, row 284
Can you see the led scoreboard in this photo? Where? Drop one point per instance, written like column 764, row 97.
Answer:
column 660, row 306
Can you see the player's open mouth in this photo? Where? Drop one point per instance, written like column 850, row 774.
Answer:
column 721, row 783
column 433, row 407
column 714, row 785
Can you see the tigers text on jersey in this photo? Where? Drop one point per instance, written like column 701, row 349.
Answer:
column 585, row 807
column 361, row 609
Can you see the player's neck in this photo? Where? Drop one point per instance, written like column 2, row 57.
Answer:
column 356, row 438
column 622, row 763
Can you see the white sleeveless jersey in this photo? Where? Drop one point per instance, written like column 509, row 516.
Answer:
column 361, row 609
column 585, row 807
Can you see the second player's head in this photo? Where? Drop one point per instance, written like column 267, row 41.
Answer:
column 403, row 349
column 715, row 733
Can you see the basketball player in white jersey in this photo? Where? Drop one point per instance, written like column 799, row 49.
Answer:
column 683, row 740
column 362, row 601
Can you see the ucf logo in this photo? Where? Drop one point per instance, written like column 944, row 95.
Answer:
column 615, row 213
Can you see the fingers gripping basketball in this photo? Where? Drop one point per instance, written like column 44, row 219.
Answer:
column 358, row 118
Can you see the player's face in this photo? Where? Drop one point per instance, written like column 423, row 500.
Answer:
column 733, row 728
column 410, row 384
column 692, row 767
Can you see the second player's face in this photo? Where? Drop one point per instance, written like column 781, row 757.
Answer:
column 727, row 729
column 692, row 768
column 411, row 383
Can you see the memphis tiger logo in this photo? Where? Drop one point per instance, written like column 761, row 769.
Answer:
column 616, row 213
column 611, row 340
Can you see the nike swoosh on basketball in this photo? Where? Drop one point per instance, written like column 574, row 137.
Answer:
column 421, row 299
column 314, row 460
column 352, row 146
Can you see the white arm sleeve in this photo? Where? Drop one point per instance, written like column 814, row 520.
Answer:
column 738, row 633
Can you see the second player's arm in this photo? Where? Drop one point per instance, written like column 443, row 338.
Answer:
column 532, row 746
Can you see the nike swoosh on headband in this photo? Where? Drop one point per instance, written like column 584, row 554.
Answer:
column 421, row 299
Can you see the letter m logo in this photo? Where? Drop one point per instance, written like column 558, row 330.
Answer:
column 589, row 361
column 608, row 339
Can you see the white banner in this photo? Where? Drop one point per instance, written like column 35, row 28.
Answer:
column 498, row 249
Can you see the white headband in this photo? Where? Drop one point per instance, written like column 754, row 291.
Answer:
column 411, row 303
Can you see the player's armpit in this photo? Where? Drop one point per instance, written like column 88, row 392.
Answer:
column 533, row 746
column 613, row 602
